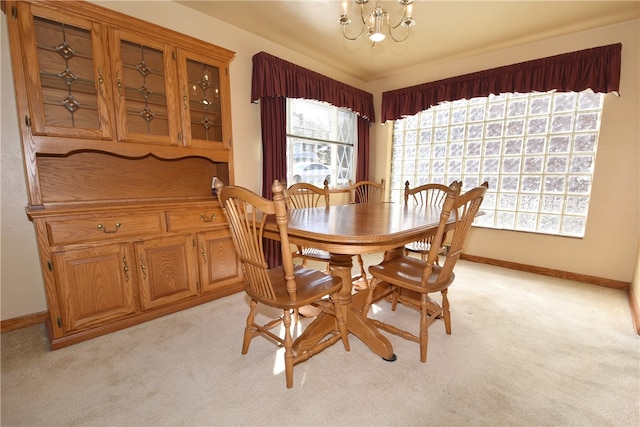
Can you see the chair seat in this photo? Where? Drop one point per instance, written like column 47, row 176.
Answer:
column 312, row 285
column 407, row 272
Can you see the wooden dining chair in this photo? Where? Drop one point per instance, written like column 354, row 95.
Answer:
column 287, row 287
column 431, row 194
column 305, row 195
column 416, row 279
column 365, row 192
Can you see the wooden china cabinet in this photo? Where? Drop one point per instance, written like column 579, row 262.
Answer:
column 123, row 124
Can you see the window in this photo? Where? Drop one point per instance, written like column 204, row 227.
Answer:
column 321, row 143
column 537, row 151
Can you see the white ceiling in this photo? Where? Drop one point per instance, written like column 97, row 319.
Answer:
column 445, row 30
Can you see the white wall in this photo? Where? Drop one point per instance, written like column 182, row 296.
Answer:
column 22, row 289
column 21, row 286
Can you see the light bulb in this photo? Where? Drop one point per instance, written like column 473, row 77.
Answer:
column 376, row 36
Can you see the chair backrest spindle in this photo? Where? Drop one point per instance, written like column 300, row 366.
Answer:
column 366, row 191
column 427, row 194
column 304, row 195
column 431, row 195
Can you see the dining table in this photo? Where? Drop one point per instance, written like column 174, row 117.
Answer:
column 348, row 230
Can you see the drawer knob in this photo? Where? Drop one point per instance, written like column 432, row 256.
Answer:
column 104, row 229
column 207, row 219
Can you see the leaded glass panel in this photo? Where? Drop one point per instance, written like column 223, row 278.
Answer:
column 66, row 68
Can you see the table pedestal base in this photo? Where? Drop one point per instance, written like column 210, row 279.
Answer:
column 357, row 322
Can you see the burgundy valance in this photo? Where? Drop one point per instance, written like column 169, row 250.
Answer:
column 273, row 76
column 597, row 68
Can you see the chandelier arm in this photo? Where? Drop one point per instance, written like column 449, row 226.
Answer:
column 363, row 23
column 363, row 19
column 392, row 28
column 344, row 33
column 402, row 19
column 406, row 36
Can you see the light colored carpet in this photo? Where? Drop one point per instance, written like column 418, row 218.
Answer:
column 526, row 350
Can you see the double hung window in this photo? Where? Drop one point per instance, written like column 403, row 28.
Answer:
column 321, row 143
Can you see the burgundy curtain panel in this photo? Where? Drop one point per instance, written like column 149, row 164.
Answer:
column 273, row 81
column 597, row 68
column 362, row 161
column 273, row 116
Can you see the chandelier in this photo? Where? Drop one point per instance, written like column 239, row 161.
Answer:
column 374, row 18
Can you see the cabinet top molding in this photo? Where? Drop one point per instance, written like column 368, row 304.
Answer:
column 120, row 20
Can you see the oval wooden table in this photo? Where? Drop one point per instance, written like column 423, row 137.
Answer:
column 347, row 230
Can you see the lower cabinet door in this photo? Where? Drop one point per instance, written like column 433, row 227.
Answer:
column 167, row 270
column 94, row 286
column 219, row 266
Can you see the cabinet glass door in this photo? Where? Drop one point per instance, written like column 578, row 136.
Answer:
column 205, row 101
column 66, row 71
column 144, row 90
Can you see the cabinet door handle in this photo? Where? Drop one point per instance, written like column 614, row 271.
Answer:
column 204, row 253
column 119, row 83
column 104, row 229
column 100, row 81
column 143, row 267
column 207, row 219
column 185, row 98
column 125, row 268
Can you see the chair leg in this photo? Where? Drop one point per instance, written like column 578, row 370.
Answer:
column 341, row 315
column 394, row 298
column 424, row 326
column 369, row 300
column 288, row 348
column 446, row 314
column 250, row 329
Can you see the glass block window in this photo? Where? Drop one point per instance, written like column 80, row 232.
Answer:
column 537, row 151
column 321, row 143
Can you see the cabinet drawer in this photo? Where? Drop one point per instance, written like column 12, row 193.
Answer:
column 195, row 218
column 101, row 227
